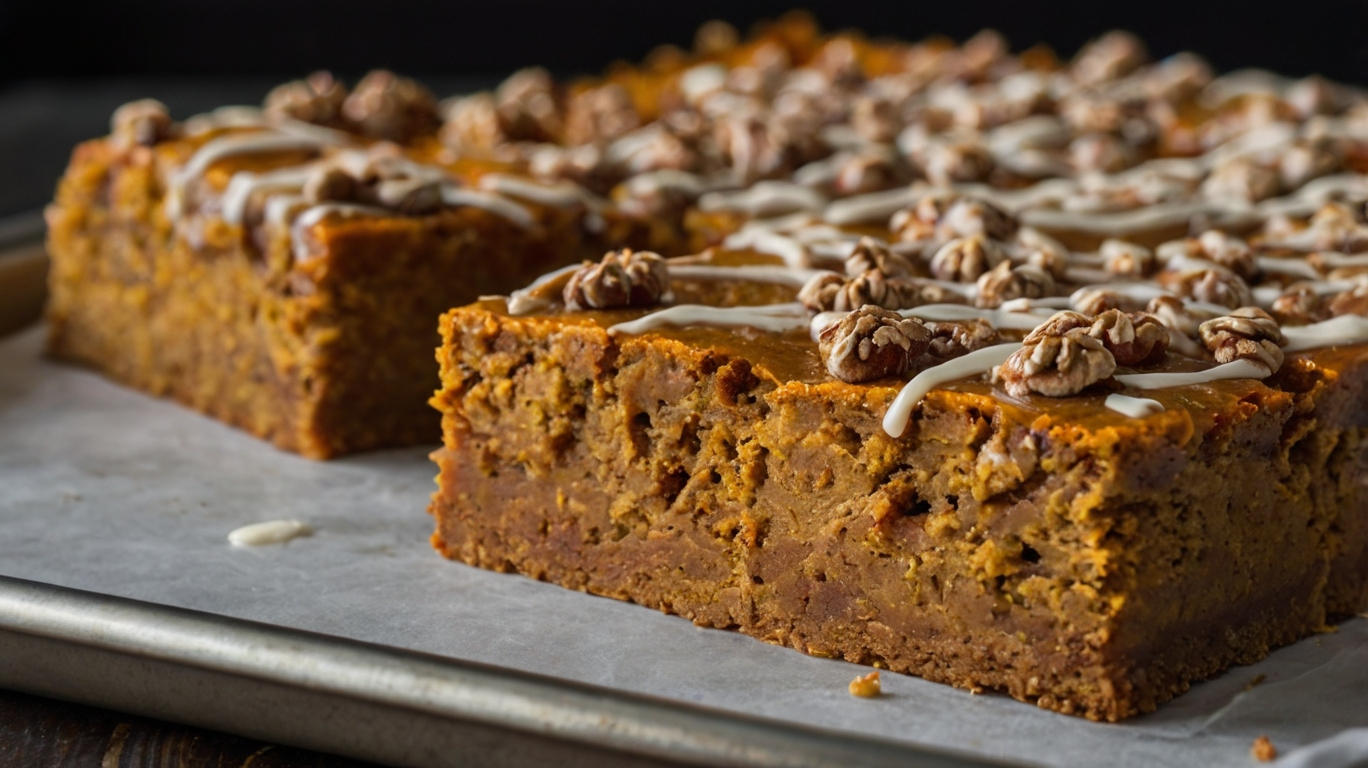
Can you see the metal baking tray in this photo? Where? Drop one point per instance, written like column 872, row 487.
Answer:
column 118, row 588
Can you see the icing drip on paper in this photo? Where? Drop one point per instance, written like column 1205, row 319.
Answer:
column 1134, row 407
column 775, row 318
column 975, row 363
column 272, row 532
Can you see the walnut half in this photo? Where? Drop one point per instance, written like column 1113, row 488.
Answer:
column 1058, row 359
column 623, row 278
column 1247, row 333
column 871, row 343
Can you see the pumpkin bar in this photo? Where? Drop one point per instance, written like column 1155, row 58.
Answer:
column 709, row 458
column 282, row 269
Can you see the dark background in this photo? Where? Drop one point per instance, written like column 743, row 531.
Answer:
column 63, row 68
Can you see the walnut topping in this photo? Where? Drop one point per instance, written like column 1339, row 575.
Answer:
column 1247, row 333
column 623, row 278
column 1126, row 259
column 1040, row 250
column 831, row 292
column 1174, row 315
column 1095, row 301
column 1242, row 178
column 876, row 119
column 1005, row 282
column 715, row 37
column 386, row 106
column 965, row 259
column 867, row 172
column 599, row 115
column 1111, row 56
column 141, row 123
column 871, row 254
column 1300, row 304
column 1058, row 359
column 1214, row 286
column 330, row 183
column 953, row 339
column 1351, row 302
column 1137, row 339
column 1232, row 253
column 871, row 343
column 1100, row 152
column 472, row 125
column 316, row 99
column 527, row 107
column 947, row 162
column 971, row 216
column 1308, row 159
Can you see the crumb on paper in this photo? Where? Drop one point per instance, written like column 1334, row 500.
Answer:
column 1257, row 679
column 866, row 686
column 1263, row 750
column 1327, row 629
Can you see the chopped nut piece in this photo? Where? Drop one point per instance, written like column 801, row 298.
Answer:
column 871, row 343
column 866, row 686
column 965, row 259
column 1058, row 359
column 871, row 254
column 1005, row 282
column 1125, row 258
column 1262, row 749
column 386, row 106
column 1135, row 339
column 1300, row 304
column 316, row 99
column 830, row 292
column 141, row 123
column 1247, row 333
column 960, row 337
column 867, row 172
column 621, row 279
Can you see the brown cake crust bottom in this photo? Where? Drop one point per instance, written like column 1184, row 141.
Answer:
column 1093, row 570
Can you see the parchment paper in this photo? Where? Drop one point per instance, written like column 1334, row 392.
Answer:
column 105, row 489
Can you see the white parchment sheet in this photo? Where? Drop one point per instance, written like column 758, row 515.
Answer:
column 105, row 489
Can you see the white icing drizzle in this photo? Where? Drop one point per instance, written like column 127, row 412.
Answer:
column 776, row 318
column 1294, row 267
column 1345, row 329
column 1134, row 407
column 317, row 213
column 977, row 362
column 271, row 532
column 1119, row 223
column 524, row 301
column 224, row 147
column 245, row 184
column 765, row 198
column 760, row 240
column 759, row 273
column 499, row 206
column 1018, row 321
column 1337, row 260
column 651, row 182
column 1236, row 369
column 868, row 208
column 563, row 194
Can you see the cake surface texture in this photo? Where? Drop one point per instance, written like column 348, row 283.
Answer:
column 1066, row 399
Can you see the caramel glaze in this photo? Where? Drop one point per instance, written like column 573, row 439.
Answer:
column 792, row 358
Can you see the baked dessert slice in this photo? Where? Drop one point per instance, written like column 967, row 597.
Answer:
column 284, row 276
column 1104, row 524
